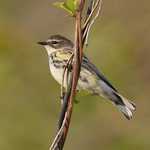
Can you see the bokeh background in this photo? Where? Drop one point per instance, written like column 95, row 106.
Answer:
column 29, row 97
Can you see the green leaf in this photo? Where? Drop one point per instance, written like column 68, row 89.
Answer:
column 68, row 5
column 71, row 5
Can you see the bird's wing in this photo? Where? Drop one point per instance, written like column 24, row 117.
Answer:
column 90, row 66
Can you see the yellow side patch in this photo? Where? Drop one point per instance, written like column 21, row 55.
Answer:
column 61, row 55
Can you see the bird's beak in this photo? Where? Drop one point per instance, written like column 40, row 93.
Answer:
column 42, row 43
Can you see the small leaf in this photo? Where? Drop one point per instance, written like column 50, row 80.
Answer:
column 69, row 6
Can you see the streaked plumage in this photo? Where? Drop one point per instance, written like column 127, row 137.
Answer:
column 59, row 51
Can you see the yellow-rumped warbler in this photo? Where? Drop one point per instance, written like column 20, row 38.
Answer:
column 59, row 51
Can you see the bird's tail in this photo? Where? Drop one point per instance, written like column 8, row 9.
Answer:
column 126, row 107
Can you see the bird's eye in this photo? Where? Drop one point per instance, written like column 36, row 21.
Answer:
column 54, row 42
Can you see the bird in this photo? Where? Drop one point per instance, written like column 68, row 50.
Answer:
column 59, row 50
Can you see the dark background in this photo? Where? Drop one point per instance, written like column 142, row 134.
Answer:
column 29, row 97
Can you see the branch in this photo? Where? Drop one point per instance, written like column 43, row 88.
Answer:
column 67, row 108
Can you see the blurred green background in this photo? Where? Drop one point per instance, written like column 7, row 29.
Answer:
column 29, row 97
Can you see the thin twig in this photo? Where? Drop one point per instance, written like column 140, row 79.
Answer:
column 57, row 137
column 84, row 30
column 69, row 97
column 92, row 22
column 89, row 9
column 75, row 76
column 66, row 96
column 66, row 68
column 92, row 12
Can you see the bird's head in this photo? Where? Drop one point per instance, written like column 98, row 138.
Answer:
column 56, row 42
